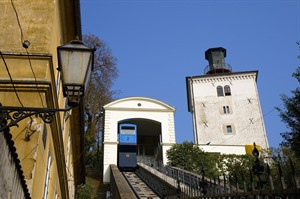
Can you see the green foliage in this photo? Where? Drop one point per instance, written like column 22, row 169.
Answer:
column 83, row 191
column 277, row 163
column 190, row 157
column 284, row 159
column 231, row 163
column 94, row 157
column 290, row 115
column 186, row 156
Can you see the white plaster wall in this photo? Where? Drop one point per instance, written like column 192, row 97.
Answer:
column 165, row 148
column 110, row 157
column 135, row 107
column 245, row 113
column 239, row 150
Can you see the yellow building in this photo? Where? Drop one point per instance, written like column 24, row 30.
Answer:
column 51, row 155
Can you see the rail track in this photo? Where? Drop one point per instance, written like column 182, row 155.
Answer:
column 140, row 188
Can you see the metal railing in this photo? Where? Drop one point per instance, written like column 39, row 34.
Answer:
column 218, row 68
column 259, row 183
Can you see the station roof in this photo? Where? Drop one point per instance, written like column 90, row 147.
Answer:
column 142, row 103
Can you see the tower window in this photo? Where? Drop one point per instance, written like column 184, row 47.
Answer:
column 220, row 91
column 227, row 90
column 228, row 129
column 226, row 109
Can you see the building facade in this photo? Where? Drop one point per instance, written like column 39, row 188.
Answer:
column 50, row 155
column 225, row 107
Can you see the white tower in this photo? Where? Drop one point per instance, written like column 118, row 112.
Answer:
column 225, row 107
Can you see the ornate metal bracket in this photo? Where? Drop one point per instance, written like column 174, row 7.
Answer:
column 11, row 116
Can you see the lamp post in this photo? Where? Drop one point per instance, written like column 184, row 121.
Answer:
column 203, row 183
column 75, row 62
column 178, row 190
column 258, row 167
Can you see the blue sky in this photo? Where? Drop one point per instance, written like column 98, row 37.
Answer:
column 160, row 42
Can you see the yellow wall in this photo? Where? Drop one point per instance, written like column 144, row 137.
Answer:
column 43, row 23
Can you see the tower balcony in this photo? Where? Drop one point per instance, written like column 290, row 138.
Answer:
column 217, row 68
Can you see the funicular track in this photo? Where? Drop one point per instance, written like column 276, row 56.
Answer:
column 139, row 187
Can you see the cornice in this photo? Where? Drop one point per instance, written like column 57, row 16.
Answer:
column 117, row 105
column 224, row 78
column 137, row 109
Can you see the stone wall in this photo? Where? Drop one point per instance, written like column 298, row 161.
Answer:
column 119, row 187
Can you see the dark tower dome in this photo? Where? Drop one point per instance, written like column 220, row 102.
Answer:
column 216, row 60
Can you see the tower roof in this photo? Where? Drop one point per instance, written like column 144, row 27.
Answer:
column 208, row 51
column 216, row 61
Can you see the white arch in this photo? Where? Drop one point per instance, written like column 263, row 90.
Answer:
column 133, row 103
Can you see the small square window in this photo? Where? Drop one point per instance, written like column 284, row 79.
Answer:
column 228, row 129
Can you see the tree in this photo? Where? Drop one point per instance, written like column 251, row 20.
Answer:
column 83, row 191
column 283, row 158
column 232, row 163
column 99, row 92
column 290, row 115
column 184, row 156
column 190, row 157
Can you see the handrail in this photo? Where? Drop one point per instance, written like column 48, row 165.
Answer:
column 224, row 68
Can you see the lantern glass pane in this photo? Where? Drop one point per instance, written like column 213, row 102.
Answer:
column 75, row 65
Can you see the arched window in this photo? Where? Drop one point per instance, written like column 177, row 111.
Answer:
column 226, row 109
column 220, row 91
column 227, row 90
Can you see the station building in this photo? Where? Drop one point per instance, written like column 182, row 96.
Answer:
column 155, row 129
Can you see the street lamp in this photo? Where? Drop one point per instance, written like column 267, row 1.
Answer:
column 258, row 167
column 75, row 62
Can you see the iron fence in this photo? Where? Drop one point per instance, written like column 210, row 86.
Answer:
column 260, row 182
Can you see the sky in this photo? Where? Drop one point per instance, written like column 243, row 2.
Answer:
column 158, row 43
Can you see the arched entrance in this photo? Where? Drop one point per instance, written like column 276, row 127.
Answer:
column 149, row 138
